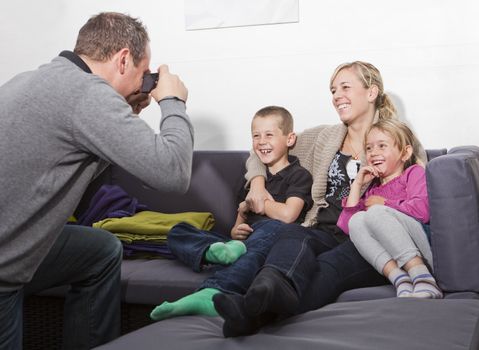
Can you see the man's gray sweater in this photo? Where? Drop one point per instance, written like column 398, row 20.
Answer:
column 59, row 127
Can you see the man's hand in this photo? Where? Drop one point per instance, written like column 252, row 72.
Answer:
column 169, row 85
column 366, row 174
column 241, row 232
column 138, row 101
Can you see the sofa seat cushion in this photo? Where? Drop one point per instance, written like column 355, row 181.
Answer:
column 152, row 282
column 368, row 293
column 396, row 323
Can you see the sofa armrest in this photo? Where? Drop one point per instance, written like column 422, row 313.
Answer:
column 453, row 187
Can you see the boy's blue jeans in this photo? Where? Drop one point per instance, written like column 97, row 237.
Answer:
column 88, row 260
column 189, row 244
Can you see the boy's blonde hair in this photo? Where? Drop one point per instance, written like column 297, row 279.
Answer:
column 286, row 124
column 402, row 136
column 369, row 76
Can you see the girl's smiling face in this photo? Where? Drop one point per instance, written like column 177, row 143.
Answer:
column 383, row 154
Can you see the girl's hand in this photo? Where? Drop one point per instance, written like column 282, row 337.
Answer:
column 241, row 232
column 372, row 200
column 366, row 174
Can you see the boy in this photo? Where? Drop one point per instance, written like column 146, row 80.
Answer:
column 290, row 187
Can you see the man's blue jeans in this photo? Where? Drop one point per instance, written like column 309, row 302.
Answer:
column 189, row 244
column 89, row 261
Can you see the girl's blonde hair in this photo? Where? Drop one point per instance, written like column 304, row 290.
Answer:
column 370, row 75
column 402, row 136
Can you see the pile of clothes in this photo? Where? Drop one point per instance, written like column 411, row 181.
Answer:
column 142, row 232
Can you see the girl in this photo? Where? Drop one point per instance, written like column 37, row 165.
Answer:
column 386, row 223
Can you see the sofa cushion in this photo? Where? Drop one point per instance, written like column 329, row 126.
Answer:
column 454, row 203
column 216, row 180
column 152, row 282
column 393, row 324
column 368, row 293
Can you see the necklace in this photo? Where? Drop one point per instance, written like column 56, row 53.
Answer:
column 355, row 154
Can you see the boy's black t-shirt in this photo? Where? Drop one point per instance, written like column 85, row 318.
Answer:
column 292, row 181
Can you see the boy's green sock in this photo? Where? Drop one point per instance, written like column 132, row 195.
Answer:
column 225, row 253
column 198, row 303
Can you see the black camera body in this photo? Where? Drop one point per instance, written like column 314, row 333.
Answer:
column 149, row 82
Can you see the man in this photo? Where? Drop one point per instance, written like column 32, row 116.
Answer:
column 60, row 125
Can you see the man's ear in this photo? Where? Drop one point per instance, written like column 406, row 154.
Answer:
column 407, row 153
column 373, row 93
column 123, row 60
column 291, row 139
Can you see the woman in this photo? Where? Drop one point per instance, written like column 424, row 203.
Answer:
column 294, row 279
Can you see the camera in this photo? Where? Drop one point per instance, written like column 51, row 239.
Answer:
column 149, row 82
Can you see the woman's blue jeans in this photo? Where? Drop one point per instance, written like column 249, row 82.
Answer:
column 318, row 266
column 294, row 253
column 89, row 261
column 189, row 244
column 336, row 271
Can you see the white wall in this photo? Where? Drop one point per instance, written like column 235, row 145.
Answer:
column 427, row 51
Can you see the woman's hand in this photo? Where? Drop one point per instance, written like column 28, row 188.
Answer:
column 257, row 195
column 241, row 232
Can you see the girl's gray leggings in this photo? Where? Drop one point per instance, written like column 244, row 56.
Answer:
column 382, row 233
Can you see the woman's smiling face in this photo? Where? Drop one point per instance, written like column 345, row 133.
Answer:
column 351, row 99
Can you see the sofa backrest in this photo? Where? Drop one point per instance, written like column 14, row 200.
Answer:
column 453, row 187
column 216, row 181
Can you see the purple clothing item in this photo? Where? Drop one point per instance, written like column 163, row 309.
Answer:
column 406, row 193
column 110, row 201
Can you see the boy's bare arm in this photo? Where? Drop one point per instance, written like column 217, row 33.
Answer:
column 287, row 212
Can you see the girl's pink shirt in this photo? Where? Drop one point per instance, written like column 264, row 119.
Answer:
column 406, row 193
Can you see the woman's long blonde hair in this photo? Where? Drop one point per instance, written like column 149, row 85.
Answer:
column 370, row 75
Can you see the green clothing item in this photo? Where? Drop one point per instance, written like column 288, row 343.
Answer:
column 153, row 226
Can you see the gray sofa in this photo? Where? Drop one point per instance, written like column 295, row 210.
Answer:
column 374, row 320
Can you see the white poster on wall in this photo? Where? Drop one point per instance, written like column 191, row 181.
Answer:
column 210, row 14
